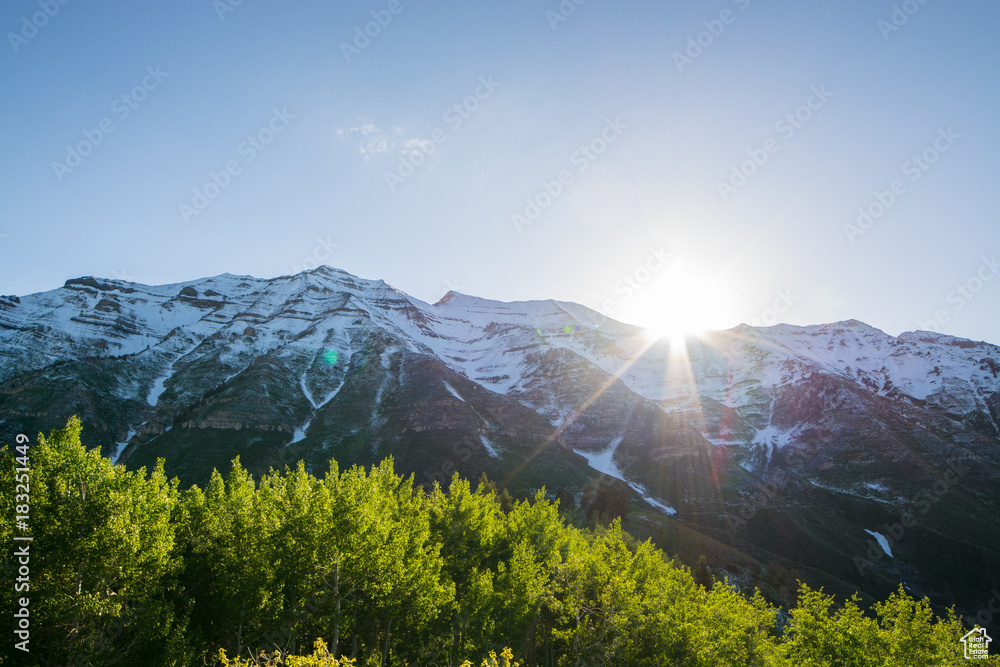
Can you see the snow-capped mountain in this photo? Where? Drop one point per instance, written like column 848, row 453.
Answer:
column 799, row 447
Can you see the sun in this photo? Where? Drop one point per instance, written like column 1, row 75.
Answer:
column 675, row 318
column 679, row 306
column 676, row 333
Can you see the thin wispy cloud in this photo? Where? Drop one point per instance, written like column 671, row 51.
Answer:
column 367, row 137
column 414, row 145
column 372, row 141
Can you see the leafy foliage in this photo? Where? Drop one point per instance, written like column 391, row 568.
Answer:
column 128, row 569
column 320, row 657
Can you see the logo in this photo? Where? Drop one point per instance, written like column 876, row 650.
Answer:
column 977, row 644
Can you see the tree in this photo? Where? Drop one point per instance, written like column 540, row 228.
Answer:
column 731, row 631
column 914, row 635
column 604, row 499
column 818, row 635
column 126, row 569
column 102, row 557
column 230, row 557
column 469, row 527
column 701, row 575
column 566, row 500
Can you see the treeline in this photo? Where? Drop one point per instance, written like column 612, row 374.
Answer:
column 126, row 568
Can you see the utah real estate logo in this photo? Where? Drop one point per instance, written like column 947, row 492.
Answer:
column 977, row 644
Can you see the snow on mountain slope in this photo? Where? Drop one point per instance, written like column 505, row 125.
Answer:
column 957, row 374
column 501, row 346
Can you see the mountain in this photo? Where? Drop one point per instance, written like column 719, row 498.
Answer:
column 832, row 453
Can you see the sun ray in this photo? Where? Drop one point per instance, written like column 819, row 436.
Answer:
column 557, row 431
column 677, row 361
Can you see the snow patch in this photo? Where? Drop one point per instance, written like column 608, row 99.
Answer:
column 122, row 446
column 157, row 390
column 451, row 390
column 306, row 392
column 386, row 357
column 490, row 447
column 604, row 461
column 882, row 542
column 300, row 433
column 329, row 397
column 641, row 490
column 159, row 386
column 667, row 509
column 771, row 438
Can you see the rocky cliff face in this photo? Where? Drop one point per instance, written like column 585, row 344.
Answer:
column 798, row 448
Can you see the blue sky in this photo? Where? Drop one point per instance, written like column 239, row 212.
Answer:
column 700, row 163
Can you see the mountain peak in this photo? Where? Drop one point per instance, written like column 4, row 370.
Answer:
column 452, row 294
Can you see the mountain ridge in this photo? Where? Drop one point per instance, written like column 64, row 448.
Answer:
column 849, row 423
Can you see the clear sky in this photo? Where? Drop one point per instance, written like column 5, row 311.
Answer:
column 669, row 163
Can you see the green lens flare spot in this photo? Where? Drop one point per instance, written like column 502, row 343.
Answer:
column 331, row 357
